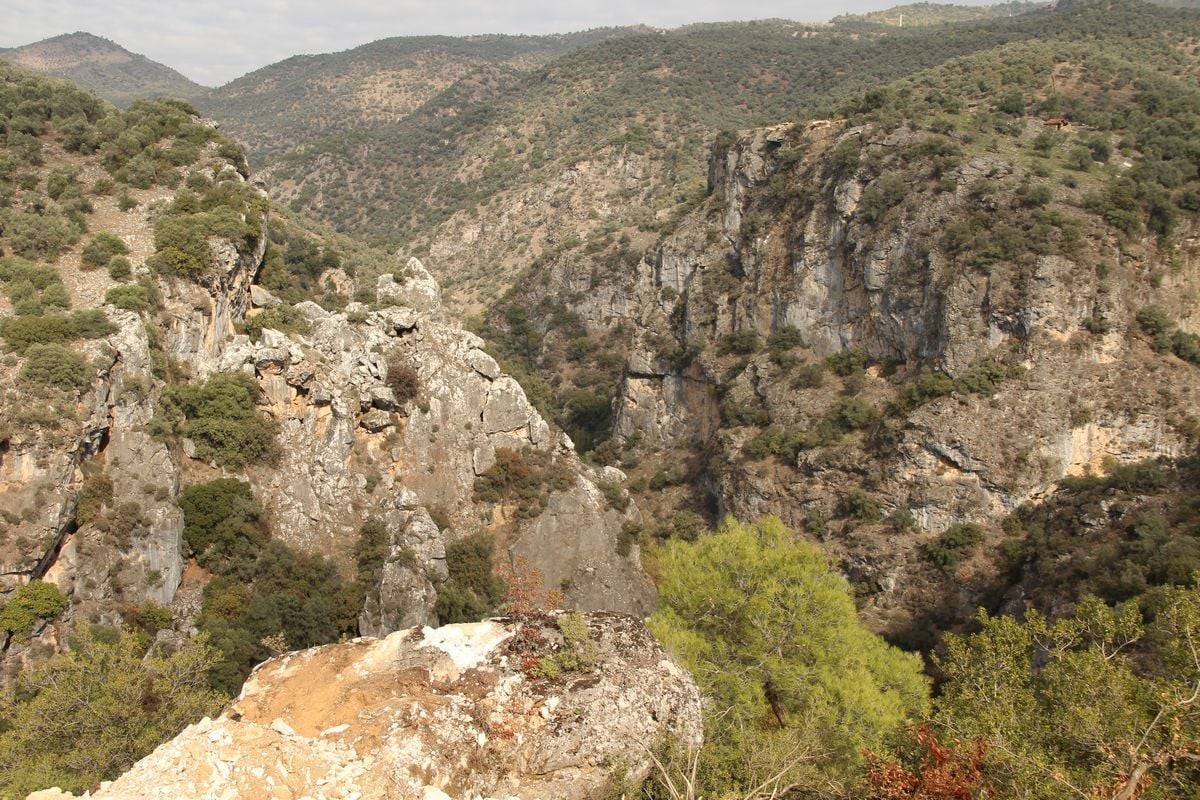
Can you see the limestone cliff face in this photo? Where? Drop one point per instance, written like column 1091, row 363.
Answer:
column 794, row 237
column 458, row 712
column 351, row 450
column 99, row 444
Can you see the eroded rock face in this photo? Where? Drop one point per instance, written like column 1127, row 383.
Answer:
column 352, row 450
column 462, row 711
column 791, row 239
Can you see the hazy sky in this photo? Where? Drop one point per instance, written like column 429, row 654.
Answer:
column 215, row 42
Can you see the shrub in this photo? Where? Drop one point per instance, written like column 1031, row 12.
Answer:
column 769, row 629
column 40, row 236
column 809, row 376
column 220, row 417
column 954, row 544
column 100, row 250
column 119, row 268
column 852, row 413
column 222, row 522
column 55, row 365
column 90, row 713
column 847, row 362
column 130, row 297
column 742, row 343
column 21, row 333
column 284, row 318
column 55, row 295
column 1158, row 325
column 881, row 196
column 860, row 505
column 36, row 600
column 95, row 492
column 89, row 324
column 472, row 590
column 402, row 379
column 371, row 551
column 616, row 497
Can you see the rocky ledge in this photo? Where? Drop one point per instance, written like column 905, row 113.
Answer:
column 560, row 705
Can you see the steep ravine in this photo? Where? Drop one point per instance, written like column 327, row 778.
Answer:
column 793, row 259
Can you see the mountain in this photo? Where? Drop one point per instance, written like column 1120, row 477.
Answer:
column 863, row 326
column 182, row 450
column 287, row 105
column 923, row 14
column 809, row 334
column 505, row 165
column 103, row 66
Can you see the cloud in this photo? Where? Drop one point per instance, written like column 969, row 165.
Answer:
column 213, row 43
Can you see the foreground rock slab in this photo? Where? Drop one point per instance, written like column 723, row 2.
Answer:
column 553, row 706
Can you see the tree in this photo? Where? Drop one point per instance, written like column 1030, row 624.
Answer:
column 1100, row 704
column 791, row 678
column 88, row 714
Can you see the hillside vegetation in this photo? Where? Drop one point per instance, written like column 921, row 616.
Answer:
column 890, row 334
column 104, row 67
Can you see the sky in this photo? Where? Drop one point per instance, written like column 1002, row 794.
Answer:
column 214, row 42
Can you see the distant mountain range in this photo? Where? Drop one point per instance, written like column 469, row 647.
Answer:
column 103, row 66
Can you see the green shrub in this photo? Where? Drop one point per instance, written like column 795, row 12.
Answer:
column 90, row 713
column 100, row 250
column 472, row 590
column 36, row 600
column 778, row 442
column 770, row 630
column 744, row 343
column 55, row 296
column 130, row 297
column 1158, row 325
column 283, row 318
column 809, row 376
column 954, row 544
column 119, row 268
column 371, row 551
column 21, row 333
column 222, row 522
column 852, row 413
column 95, row 492
column 616, row 497
column 882, row 196
column 847, row 362
column 221, row 419
column 91, row 323
column 55, row 365
column 860, row 505
column 40, row 236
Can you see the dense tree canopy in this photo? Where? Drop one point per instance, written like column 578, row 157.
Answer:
column 771, row 634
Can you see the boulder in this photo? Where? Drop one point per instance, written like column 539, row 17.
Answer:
column 464, row 711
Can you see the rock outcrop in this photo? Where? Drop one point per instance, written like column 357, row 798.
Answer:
column 837, row 236
column 491, row 710
column 90, row 493
column 353, row 450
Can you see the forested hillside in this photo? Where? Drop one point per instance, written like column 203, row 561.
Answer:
column 102, row 66
column 863, row 361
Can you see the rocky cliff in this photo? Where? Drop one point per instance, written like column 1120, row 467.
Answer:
column 884, row 332
column 90, row 483
column 566, row 705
